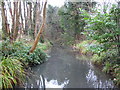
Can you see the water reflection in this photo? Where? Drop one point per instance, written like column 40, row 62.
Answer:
column 63, row 70
column 45, row 83
column 97, row 83
column 55, row 84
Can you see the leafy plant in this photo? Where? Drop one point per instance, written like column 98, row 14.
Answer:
column 97, row 59
column 107, row 67
column 117, row 74
column 104, row 29
column 14, row 58
column 19, row 49
column 12, row 72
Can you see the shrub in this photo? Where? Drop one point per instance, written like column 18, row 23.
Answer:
column 96, row 59
column 113, row 69
column 44, row 46
column 19, row 49
column 112, row 56
column 37, row 57
column 14, row 57
column 107, row 67
column 12, row 72
column 83, row 46
column 117, row 74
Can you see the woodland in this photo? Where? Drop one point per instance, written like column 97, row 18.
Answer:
column 31, row 28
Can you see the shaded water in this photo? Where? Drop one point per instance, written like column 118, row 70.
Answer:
column 64, row 70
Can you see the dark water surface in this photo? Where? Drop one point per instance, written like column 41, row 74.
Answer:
column 64, row 70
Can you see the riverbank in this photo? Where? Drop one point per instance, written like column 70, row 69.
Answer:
column 103, row 60
column 15, row 61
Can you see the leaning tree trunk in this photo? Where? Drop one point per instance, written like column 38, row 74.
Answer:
column 40, row 31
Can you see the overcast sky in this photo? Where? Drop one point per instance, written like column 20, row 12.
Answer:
column 56, row 2
column 61, row 2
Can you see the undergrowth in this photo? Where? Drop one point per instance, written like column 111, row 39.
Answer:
column 14, row 60
column 109, row 59
column 12, row 72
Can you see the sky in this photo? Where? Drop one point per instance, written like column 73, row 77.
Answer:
column 61, row 2
column 56, row 2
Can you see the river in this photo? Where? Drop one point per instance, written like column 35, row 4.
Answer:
column 64, row 70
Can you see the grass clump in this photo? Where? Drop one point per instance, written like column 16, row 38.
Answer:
column 11, row 72
column 14, row 59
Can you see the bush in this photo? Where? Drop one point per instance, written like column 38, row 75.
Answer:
column 83, row 46
column 113, row 69
column 37, row 57
column 12, row 72
column 87, row 46
column 44, row 46
column 13, row 58
column 19, row 49
column 112, row 56
column 96, row 59
column 107, row 67
column 116, row 74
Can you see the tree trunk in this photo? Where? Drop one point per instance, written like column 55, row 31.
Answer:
column 40, row 31
column 22, row 22
column 16, row 26
column 25, row 16
column 4, row 21
column 35, row 20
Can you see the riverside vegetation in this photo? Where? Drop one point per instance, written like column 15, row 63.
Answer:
column 80, row 24
column 15, row 60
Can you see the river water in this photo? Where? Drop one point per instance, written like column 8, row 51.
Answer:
column 64, row 70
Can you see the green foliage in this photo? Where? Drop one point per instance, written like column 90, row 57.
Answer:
column 14, row 57
column 97, row 59
column 44, row 46
column 70, row 20
column 113, row 69
column 83, row 46
column 11, row 72
column 89, row 46
column 19, row 49
column 53, row 24
column 96, row 48
column 104, row 28
column 67, row 39
column 8, row 48
column 37, row 57
column 117, row 74
column 107, row 67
